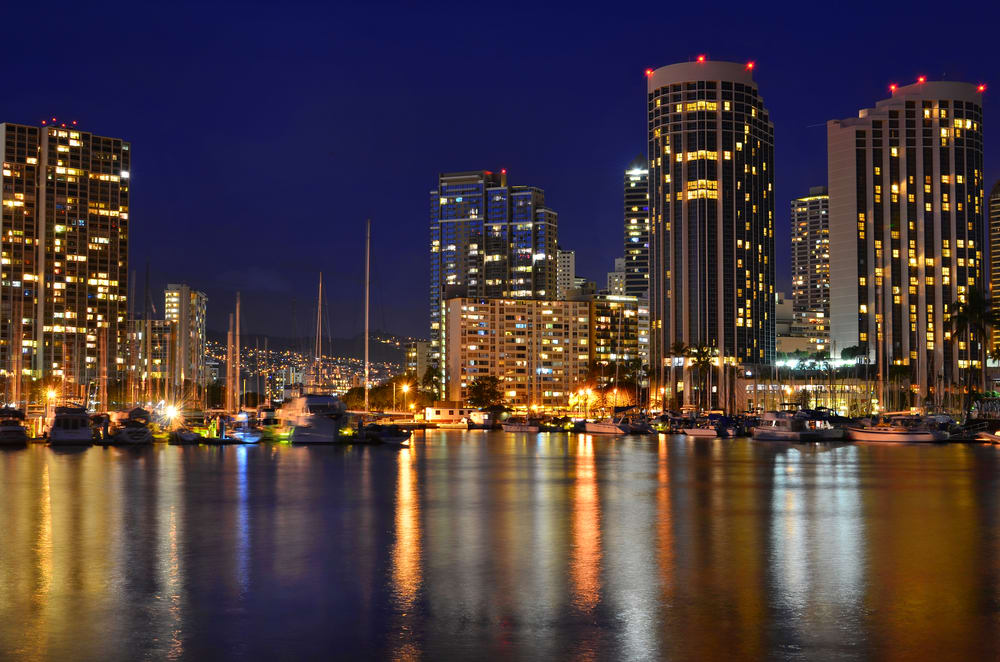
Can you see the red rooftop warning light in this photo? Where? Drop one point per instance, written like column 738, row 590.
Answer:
column 649, row 72
column 892, row 87
column 981, row 88
column 701, row 58
column 503, row 171
column 750, row 65
column 921, row 79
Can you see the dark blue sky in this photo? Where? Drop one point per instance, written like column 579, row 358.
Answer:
column 264, row 135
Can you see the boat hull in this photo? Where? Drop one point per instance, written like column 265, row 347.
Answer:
column 700, row 433
column 602, row 428
column 70, row 438
column 520, row 427
column 13, row 436
column 765, row 434
column 897, row 436
column 132, row 437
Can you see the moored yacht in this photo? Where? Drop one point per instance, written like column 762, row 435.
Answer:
column 520, row 424
column 134, row 429
column 70, row 426
column 900, row 429
column 607, row 426
column 784, row 426
column 12, row 430
column 313, row 419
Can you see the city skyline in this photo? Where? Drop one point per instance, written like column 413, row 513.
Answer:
column 577, row 159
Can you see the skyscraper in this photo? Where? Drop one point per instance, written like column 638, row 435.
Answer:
column 65, row 202
column 994, row 211
column 811, row 264
column 565, row 273
column 637, row 228
column 186, row 308
column 711, row 170
column 907, row 228
column 488, row 239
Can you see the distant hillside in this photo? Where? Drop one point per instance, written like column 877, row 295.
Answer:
column 379, row 345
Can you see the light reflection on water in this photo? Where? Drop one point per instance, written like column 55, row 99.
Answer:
column 486, row 545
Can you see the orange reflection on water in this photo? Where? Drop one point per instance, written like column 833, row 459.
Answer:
column 406, row 556
column 585, row 559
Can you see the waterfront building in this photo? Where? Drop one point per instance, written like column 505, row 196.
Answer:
column 187, row 309
column 151, row 356
column 789, row 338
column 811, row 267
column 565, row 272
column 711, row 173
column 636, row 265
column 614, row 335
column 907, row 232
column 538, row 349
column 994, row 212
column 65, row 219
column 417, row 354
column 488, row 239
column 616, row 278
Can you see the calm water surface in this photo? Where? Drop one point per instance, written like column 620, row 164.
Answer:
column 488, row 545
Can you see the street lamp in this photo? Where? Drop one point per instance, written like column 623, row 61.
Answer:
column 406, row 389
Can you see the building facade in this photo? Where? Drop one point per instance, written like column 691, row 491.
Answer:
column 488, row 239
column 565, row 272
column 614, row 335
column 907, row 230
column 539, row 350
column 187, row 308
column 994, row 212
column 417, row 353
column 711, row 173
column 811, row 267
column 617, row 278
column 637, row 228
column 65, row 220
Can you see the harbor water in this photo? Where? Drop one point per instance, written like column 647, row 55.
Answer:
column 486, row 545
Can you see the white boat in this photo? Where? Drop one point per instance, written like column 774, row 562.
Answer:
column 900, row 429
column 519, row 424
column 988, row 437
column 784, row 426
column 701, row 433
column 606, row 426
column 134, row 429
column 313, row 419
column 12, row 430
column 70, row 426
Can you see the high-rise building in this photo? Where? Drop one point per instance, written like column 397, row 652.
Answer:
column 488, row 239
column 994, row 211
column 614, row 334
column 637, row 228
column 907, row 235
column 416, row 358
column 539, row 350
column 711, row 173
column 565, row 272
column 65, row 219
column 187, row 308
column 811, row 266
column 616, row 279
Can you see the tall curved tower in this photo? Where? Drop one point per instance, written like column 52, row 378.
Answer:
column 711, row 175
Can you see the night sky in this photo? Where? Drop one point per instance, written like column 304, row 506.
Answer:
column 263, row 136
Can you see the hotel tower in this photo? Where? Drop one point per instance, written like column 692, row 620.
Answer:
column 65, row 206
column 711, row 173
column 907, row 235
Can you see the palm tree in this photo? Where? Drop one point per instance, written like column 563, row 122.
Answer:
column 676, row 350
column 702, row 360
column 974, row 316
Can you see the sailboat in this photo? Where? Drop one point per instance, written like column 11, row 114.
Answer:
column 314, row 417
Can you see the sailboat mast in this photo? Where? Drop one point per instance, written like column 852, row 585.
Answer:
column 318, row 344
column 236, row 353
column 368, row 247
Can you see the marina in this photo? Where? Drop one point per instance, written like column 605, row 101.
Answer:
column 561, row 545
